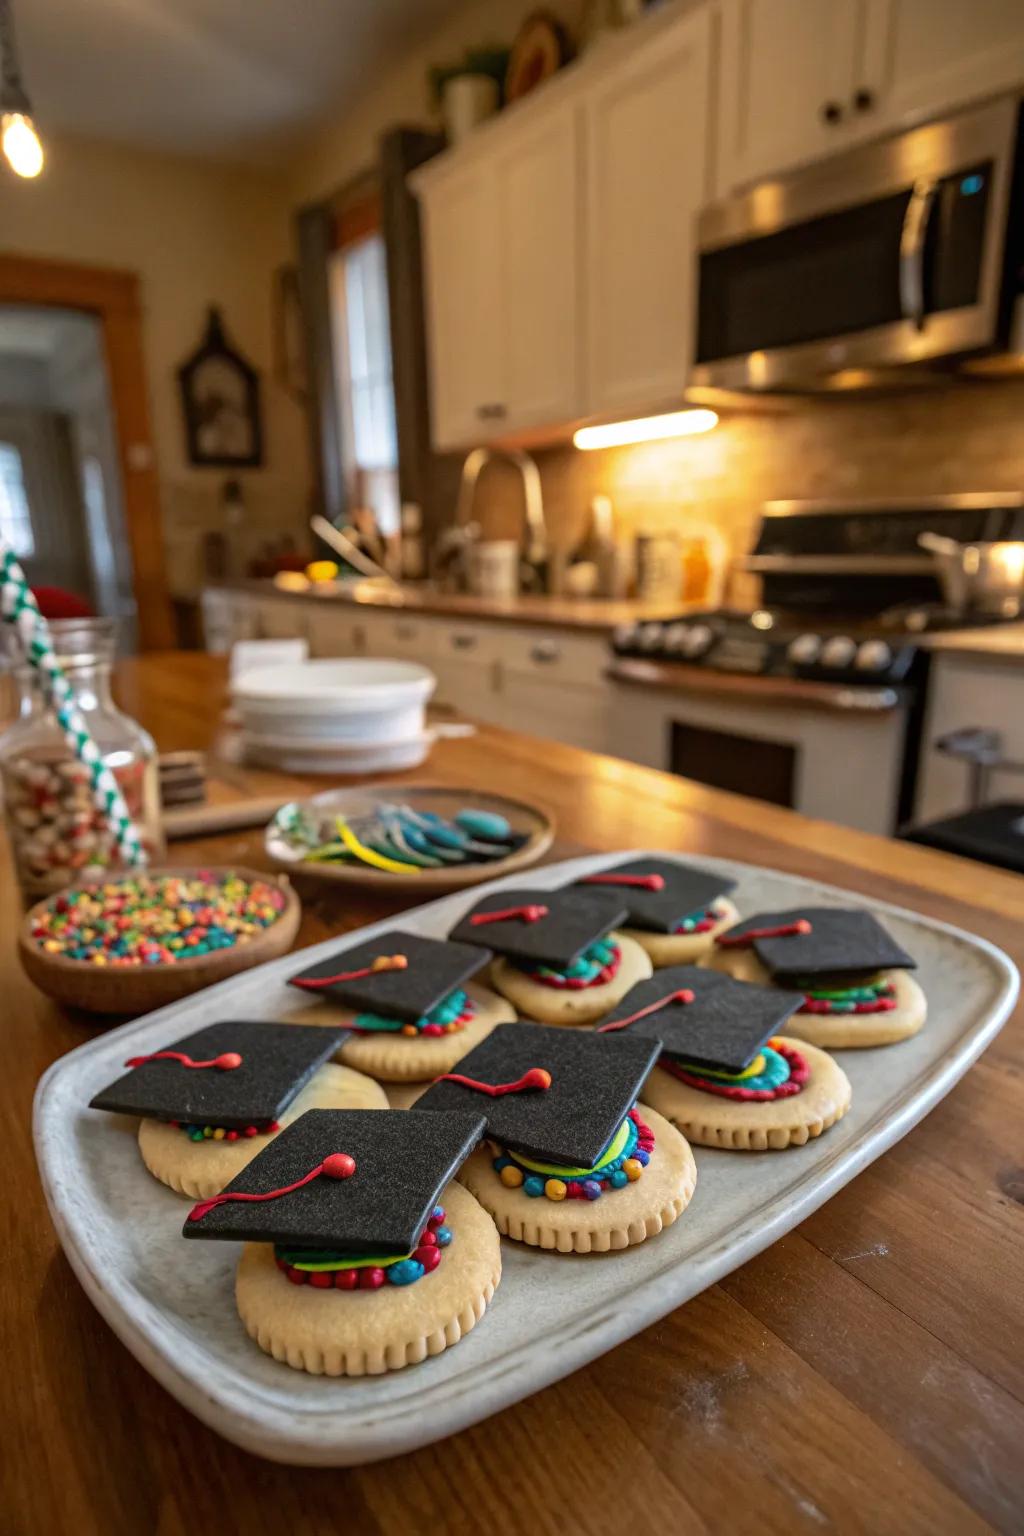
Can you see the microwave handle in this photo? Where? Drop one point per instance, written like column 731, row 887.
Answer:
column 912, row 243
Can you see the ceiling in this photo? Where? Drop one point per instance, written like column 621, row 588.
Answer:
column 236, row 79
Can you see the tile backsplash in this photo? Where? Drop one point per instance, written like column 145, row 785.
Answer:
column 954, row 437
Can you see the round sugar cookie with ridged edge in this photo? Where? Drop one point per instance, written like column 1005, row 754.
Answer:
column 397, row 1058
column 365, row 1333
column 684, row 948
column 404, row 1095
column 202, row 1168
column 569, row 1005
column 619, row 1219
column 840, row 1031
column 740, row 1125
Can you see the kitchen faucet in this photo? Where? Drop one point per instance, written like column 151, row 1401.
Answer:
column 537, row 543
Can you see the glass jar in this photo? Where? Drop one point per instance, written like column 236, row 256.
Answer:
column 57, row 831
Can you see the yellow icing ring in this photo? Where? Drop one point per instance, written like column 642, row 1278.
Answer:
column 756, row 1067
column 558, row 1170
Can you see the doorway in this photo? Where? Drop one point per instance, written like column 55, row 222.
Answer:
column 115, row 480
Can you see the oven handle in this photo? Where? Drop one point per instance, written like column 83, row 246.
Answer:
column 912, row 243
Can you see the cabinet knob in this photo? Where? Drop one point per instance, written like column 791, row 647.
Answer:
column 491, row 412
column 831, row 112
column 863, row 100
column 463, row 642
column 545, row 651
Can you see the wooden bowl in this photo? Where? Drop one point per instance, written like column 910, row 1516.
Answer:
column 529, row 820
column 140, row 989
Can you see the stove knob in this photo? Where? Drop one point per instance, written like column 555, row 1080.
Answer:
column 804, row 649
column 624, row 635
column 650, row 637
column 874, row 656
column 698, row 641
column 838, row 652
column 675, row 639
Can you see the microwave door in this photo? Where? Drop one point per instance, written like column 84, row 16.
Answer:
column 891, row 255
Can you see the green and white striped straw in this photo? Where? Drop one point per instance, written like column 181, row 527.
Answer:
column 19, row 608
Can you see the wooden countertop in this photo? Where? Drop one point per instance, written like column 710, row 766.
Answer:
column 600, row 615
column 782, row 692
column 864, row 1374
column 998, row 642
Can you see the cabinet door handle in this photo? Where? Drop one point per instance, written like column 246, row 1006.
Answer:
column 831, row 113
column 545, row 651
column 491, row 412
column 863, row 100
column 463, row 642
column 912, row 249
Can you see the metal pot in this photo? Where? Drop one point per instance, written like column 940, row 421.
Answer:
column 986, row 577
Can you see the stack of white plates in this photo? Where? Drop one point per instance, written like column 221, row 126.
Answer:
column 348, row 716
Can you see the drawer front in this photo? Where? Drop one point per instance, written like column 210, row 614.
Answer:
column 335, row 632
column 555, row 655
column 474, row 644
column 580, row 717
column 283, row 620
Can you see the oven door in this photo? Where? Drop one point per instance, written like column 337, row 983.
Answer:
column 893, row 254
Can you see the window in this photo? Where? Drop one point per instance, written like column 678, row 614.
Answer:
column 362, row 351
column 15, row 517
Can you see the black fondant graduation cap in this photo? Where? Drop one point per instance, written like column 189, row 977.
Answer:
column 432, row 969
column 595, row 1081
column 241, row 1073
column 659, row 893
column 724, row 1026
column 365, row 1181
column 545, row 927
column 808, row 942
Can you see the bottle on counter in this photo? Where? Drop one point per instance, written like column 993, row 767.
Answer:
column 57, row 832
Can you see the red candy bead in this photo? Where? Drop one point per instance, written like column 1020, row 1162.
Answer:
column 346, row 1279
column 437, row 1221
column 432, row 1029
column 228, row 1061
column 339, row 1165
column 296, row 1276
column 321, row 1279
column 430, row 1258
column 230, row 1135
column 371, row 1279
column 429, row 1239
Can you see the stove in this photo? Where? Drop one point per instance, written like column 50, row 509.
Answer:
column 847, row 593
column 825, row 705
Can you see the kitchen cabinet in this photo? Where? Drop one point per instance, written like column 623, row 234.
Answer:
column 648, row 172
column 967, row 691
column 801, row 80
column 934, row 56
column 502, row 258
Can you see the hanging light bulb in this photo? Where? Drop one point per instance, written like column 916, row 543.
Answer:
column 21, row 144
column 18, row 135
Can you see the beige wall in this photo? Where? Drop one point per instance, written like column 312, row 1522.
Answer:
column 196, row 234
column 345, row 147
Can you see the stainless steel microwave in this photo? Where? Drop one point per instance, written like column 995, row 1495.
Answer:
column 907, row 251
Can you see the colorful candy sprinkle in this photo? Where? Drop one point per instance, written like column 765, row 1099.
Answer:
column 157, row 919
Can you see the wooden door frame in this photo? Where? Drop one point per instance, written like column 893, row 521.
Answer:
column 113, row 296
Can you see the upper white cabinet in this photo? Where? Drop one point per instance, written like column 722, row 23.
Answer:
column 801, row 79
column 647, row 134
column 932, row 56
column 502, row 254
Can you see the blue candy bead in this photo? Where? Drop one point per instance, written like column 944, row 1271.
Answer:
column 591, row 1188
column 500, row 1163
column 642, row 1156
column 618, row 1179
column 485, row 824
column 437, row 1214
column 532, row 1185
column 405, row 1272
column 443, row 1235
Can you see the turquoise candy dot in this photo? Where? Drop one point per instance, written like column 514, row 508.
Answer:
column 532, row 1185
column 405, row 1272
column 618, row 1179
column 485, row 824
column 500, row 1163
column 443, row 1235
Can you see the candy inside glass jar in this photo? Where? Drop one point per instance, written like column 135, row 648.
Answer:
column 57, row 829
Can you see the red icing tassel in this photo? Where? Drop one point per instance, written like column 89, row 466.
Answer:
column 536, row 1077
column 684, row 995
column 744, row 940
column 338, row 1165
column 642, row 882
column 382, row 963
column 531, row 914
column 226, row 1062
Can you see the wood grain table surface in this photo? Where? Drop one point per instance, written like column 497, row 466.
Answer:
column 864, row 1374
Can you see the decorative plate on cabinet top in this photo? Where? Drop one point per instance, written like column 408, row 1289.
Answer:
column 414, row 837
